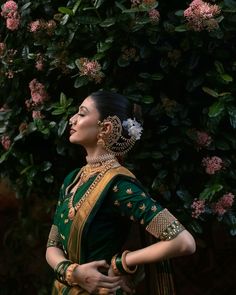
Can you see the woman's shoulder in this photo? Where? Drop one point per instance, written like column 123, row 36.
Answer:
column 71, row 175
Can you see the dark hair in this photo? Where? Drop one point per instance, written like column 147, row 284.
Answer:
column 112, row 104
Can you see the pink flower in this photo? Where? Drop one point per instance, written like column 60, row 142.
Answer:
column 203, row 139
column 38, row 92
column 9, row 8
column 224, row 204
column 37, row 115
column 91, row 69
column 13, row 23
column 39, row 62
column 201, row 15
column 212, row 164
column 154, row 15
column 6, row 142
column 35, row 26
column 198, row 207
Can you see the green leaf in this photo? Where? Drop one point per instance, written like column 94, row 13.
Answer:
column 25, row 6
column 227, row 78
column 123, row 62
column 62, row 127
column 62, row 99
column 76, row 6
column 108, row 22
column 232, row 116
column 147, row 99
column 219, row 67
column 216, row 109
column 209, row 192
column 46, row 166
column 157, row 76
column 210, row 91
column 80, row 81
column 179, row 13
column 181, row 28
column 59, row 111
column 65, row 10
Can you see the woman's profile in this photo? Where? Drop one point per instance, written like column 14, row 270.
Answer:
column 99, row 202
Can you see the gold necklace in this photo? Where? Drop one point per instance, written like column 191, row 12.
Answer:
column 86, row 172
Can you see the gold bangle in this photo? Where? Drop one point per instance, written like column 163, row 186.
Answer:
column 114, row 267
column 69, row 273
column 127, row 269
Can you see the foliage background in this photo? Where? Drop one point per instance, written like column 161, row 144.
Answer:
column 183, row 79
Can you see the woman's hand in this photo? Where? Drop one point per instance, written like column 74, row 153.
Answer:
column 90, row 277
column 126, row 283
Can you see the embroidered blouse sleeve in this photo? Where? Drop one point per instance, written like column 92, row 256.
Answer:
column 129, row 199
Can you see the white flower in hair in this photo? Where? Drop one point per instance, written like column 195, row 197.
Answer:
column 133, row 127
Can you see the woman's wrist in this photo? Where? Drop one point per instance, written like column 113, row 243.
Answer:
column 120, row 266
column 65, row 272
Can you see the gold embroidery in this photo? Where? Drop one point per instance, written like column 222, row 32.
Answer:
column 115, row 189
column 66, row 220
column 154, row 208
column 143, row 194
column 142, row 207
column 132, row 217
column 63, row 237
column 129, row 205
column 62, row 215
column 54, row 237
column 164, row 226
column 141, row 221
column 129, row 191
column 59, row 203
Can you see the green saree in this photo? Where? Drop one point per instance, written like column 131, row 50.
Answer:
column 102, row 224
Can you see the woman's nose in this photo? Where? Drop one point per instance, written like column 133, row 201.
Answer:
column 73, row 120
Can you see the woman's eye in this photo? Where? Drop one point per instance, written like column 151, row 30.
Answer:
column 80, row 114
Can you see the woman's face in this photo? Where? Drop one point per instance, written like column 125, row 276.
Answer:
column 84, row 125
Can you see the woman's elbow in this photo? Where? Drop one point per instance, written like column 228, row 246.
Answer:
column 188, row 244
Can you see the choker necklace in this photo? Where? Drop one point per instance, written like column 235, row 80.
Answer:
column 99, row 166
column 100, row 159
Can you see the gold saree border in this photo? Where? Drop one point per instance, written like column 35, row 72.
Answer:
column 82, row 215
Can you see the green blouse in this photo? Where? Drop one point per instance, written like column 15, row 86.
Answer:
column 125, row 202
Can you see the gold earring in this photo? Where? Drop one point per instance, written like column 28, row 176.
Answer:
column 100, row 140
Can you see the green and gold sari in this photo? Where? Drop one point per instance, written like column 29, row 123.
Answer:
column 102, row 224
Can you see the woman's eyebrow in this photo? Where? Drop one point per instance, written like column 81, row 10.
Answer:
column 81, row 108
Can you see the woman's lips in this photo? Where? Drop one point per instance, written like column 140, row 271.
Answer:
column 72, row 131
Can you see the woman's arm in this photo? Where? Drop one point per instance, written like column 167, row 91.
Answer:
column 182, row 244
column 89, row 276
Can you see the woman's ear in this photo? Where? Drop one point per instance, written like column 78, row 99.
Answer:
column 107, row 128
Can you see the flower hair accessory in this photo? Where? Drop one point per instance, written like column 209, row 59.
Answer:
column 133, row 127
column 115, row 142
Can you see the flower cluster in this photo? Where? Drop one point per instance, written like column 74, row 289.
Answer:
column 11, row 14
column 133, row 127
column 203, row 139
column 201, row 15
column 198, row 207
column 154, row 15
column 91, row 69
column 212, row 164
column 6, row 142
column 223, row 204
column 42, row 25
column 38, row 92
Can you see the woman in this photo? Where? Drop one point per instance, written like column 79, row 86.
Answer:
column 99, row 202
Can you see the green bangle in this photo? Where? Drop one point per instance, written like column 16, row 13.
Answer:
column 119, row 265
column 60, row 270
